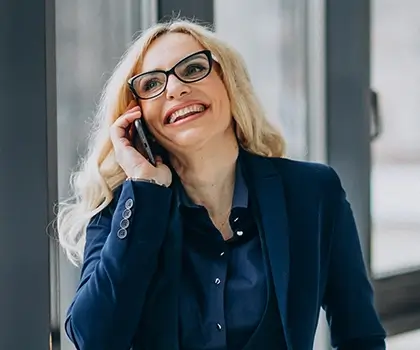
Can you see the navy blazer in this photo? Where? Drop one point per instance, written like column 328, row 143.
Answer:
column 128, row 292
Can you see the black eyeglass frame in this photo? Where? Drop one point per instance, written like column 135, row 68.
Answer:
column 170, row 72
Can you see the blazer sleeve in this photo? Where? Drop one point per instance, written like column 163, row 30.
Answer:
column 121, row 255
column 348, row 299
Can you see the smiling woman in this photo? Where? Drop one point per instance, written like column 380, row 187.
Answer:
column 221, row 211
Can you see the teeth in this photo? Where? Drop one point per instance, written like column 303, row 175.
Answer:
column 184, row 111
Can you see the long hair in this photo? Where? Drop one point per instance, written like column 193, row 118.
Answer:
column 99, row 174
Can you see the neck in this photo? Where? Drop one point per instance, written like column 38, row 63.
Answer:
column 208, row 175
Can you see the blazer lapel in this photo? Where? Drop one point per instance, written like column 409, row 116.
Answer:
column 266, row 182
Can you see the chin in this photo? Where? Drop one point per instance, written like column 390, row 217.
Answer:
column 190, row 142
column 189, row 139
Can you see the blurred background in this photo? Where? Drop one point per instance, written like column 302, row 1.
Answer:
column 340, row 78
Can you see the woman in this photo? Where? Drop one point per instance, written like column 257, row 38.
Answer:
column 224, row 244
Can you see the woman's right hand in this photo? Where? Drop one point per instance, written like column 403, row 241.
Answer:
column 134, row 164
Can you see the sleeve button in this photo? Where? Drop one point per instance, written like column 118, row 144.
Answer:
column 126, row 213
column 122, row 233
column 129, row 203
column 124, row 223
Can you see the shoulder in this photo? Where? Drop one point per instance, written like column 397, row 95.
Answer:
column 309, row 176
column 311, row 190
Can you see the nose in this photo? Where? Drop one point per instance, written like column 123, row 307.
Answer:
column 176, row 88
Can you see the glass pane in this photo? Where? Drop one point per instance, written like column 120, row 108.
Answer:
column 270, row 34
column 396, row 153
column 406, row 341
column 91, row 36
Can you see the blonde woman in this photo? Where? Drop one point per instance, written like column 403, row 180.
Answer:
column 225, row 243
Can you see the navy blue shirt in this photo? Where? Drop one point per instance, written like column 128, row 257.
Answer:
column 223, row 286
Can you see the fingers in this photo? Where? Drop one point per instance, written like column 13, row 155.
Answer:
column 128, row 117
column 123, row 123
column 158, row 160
column 131, row 105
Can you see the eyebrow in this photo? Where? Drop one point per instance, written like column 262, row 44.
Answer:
column 186, row 58
column 180, row 60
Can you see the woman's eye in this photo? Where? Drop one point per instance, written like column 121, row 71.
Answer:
column 194, row 68
column 151, row 84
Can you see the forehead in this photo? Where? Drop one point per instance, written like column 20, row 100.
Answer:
column 168, row 50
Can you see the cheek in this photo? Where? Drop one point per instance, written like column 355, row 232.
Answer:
column 221, row 92
column 151, row 110
column 223, row 100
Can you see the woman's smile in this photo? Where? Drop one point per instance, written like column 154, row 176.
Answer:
column 184, row 118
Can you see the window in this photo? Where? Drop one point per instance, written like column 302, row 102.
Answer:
column 271, row 36
column 91, row 36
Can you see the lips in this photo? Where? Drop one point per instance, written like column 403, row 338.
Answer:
column 183, row 111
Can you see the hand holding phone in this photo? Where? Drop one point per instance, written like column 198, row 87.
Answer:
column 133, row 162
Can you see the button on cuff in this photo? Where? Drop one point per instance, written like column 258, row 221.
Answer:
column 124, row 223
column 122, row 233
column 126, row 213
column 129, row 203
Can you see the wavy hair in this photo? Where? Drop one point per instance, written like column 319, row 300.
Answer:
column 99, row 174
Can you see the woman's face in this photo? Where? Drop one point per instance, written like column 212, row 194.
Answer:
column 176, row 117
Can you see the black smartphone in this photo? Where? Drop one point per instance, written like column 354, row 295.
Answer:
column 142, row 133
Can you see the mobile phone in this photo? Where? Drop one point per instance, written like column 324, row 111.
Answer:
column 142, row 134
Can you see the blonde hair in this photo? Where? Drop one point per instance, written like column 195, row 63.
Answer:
column 99, row 174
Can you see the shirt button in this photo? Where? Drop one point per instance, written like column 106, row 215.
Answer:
column 129, row 203
column 236, row 219
column 222, row 253
column 217, row 281
column 239, row 233
column 219, row 326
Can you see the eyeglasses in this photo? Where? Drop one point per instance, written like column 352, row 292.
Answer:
column 191, row 69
